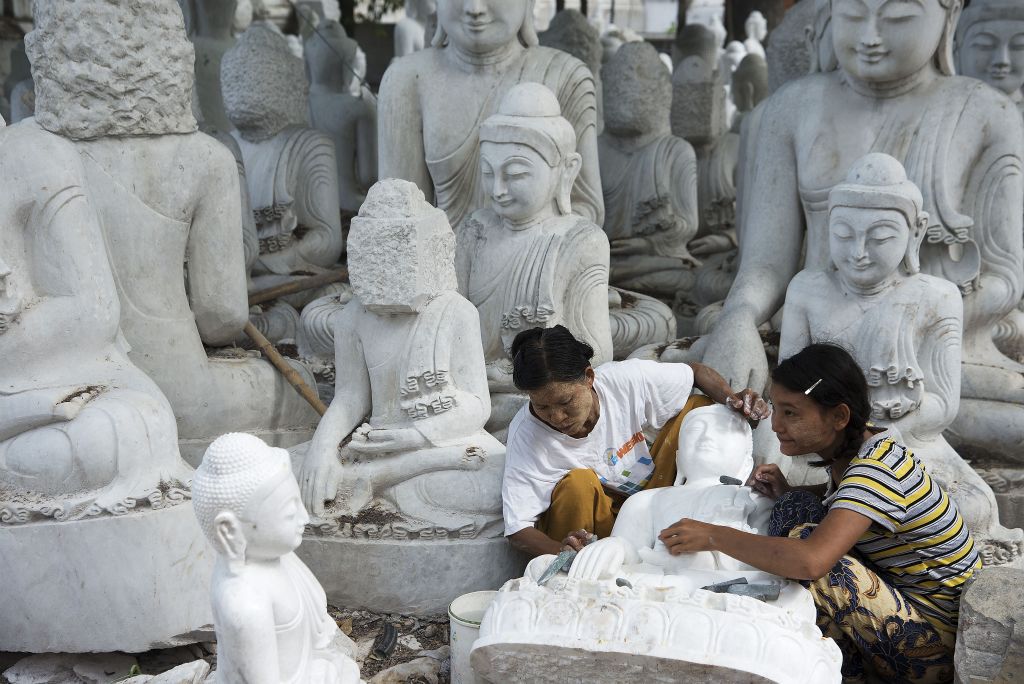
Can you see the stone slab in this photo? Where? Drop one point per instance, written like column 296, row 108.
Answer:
column 408, row 577
column 990, row 638
column 129, row 583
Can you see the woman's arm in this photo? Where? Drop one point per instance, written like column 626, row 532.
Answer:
column 800, row 559
column 533, row 542
column 748, row 402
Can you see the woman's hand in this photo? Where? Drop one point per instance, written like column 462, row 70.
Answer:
column 749, row 403
column 688, row 536
column 576, row 540
column 768, row 480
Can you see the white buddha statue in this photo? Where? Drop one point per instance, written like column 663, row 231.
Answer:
column 404, row 431
column 527, row 260
column 902, row 326
column 269, row 611
column 165, row 195
column 756, row 29
column 411, row 30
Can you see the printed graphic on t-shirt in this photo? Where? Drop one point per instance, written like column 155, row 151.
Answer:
column 634, row 472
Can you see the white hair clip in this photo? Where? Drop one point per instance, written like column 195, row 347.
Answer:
column 811, row 388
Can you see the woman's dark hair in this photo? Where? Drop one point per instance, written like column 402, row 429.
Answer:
column 544, row 355
column 833, row 378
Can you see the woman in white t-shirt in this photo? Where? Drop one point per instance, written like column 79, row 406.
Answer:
column 577, row 450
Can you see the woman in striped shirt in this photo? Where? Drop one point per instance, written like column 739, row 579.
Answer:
column 883, row 548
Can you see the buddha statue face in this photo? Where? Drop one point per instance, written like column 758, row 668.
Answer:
column 867, row 245
column 276, row 525
column 880, row 41
column 483, row 26
column 10, row 299
column 713, row 441
column 993, row 51
column 520, row 183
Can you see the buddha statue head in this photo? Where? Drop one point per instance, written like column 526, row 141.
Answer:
column 330, row 55
column 990, row 44
column 876, row 222
column 247, row 500
column 105, row 68
column 420, row 10
column 733, row 55
column 696, row 47
column 483, row 27
column 528, row 158
column 756, row 26
column 886, row 41
column 571, row 32
column 750, row 83
column 714, row 441
column 263, row 84
column 637, row 92
column 401, row 250
column 10, row 297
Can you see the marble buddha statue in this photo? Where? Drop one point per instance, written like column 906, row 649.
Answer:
column 990, row 47
column 630, row 611
column 902, row 326
column 83, row 431
column 756, row 30
column 405, row 428
column 411, row 30
column 269, row 611
column 893, row 92
column 481, row 50
column 291, row 168
column 649, row 178
column 210, row 26
column 165, row 195
column 350, row 121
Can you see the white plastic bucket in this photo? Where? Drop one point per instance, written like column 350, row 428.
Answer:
column 465, row 614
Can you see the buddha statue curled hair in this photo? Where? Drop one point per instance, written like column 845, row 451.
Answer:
column 111, row 68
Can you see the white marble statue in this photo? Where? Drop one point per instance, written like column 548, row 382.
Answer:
column 649, row 178
column 165, row 194
column 410, row 384
column 733, row 55
column 411, row 30
column 527, row 261
column 291, row 168
column 210, row 25
column 628, row 610
column 893, row 92
column 756, row 30
column 269, row 611
column 902, row 326
column 351, row 122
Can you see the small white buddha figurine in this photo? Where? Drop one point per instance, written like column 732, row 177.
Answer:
column 269, row 611
column 713, row 442
column 291, row 168
column 411, row 30
column 527, row 260
column 902, row 326
column 350, row 121
column 405, row 428
column 649, row 177
column 756, row 29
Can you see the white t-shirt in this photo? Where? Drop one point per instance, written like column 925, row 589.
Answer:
column 634, row 395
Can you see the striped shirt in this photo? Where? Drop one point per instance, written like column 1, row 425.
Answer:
column 918, row 541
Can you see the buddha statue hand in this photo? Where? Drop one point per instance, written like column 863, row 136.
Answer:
column 734, row 349
column 603, row 559
column 499, row 377
column 474, row 458
column 377, row 441
column 69, row 408
column 319, row 478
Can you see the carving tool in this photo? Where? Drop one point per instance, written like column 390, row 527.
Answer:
column 562, row 561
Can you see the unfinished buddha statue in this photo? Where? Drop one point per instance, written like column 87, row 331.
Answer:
column 481, row 51
column 411, row 30
column 269, row 611
column 291, row 168
column 649, row 176
column 642, row 613
column 351, row 122
column 570, row 32
column 165, row 194
column 210, row 26
column 902, row 326
column 410, row 383
column 961, row 142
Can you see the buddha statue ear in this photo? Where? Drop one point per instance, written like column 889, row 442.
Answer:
column 912, row 259
column 528, row 31
column 229, row 538
column 944, row 60
column 570, row 170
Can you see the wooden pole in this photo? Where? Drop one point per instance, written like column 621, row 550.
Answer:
column 290, row 374
column 296, row 286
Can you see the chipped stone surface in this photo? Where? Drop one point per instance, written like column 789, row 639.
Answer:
column 64, row 668
column 990, row 639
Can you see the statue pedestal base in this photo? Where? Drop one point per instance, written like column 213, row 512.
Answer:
column 408, row 576
column 129, row 583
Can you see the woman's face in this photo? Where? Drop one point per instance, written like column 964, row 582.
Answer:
column 880, row 41
column 802, row 426
column 993, row 51
column 481, row 26
column 565, row 406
